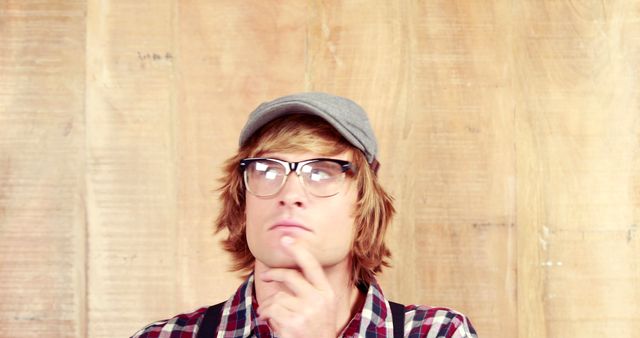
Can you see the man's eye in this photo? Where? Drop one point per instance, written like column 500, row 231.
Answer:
column 270, row 174
column 319, row 175
column 267, row 170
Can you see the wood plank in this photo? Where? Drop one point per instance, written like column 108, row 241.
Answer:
column 463, row 134
column 42, row 219
column 131, row 193
column 577, row 132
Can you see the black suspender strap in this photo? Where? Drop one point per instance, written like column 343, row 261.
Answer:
column 397, row 313
column 210, row 321
column 212, row 316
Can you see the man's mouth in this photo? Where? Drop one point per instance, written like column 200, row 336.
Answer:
column 284, row 225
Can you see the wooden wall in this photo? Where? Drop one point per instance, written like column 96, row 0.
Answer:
column 509, row 132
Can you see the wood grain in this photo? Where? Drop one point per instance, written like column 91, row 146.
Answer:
column 42, row 216
column 131, row 187
column 577, row 137
column 509, row 135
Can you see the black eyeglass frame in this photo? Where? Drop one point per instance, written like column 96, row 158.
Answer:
column 292, row 166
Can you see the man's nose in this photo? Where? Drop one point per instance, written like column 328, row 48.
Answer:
column 292, row 193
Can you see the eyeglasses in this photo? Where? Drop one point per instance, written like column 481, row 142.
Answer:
column 322, row 177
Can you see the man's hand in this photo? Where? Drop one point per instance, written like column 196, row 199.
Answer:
column 309, row 309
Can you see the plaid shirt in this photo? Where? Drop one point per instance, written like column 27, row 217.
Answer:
column 239, row 319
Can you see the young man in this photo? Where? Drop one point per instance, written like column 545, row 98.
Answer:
column 306, row 219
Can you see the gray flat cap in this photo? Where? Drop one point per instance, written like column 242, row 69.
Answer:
column 349, row 119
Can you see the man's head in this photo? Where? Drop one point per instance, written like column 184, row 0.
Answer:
column 336, row 206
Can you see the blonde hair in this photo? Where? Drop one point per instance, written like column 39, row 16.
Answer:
column 303, row 132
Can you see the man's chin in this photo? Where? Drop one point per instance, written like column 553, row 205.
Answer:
column 280, row 262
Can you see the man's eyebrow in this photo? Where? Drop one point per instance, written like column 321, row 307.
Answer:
column 267, row 155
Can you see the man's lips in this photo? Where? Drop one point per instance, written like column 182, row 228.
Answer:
column 288, row 225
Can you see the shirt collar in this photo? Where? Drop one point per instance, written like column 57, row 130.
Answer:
column 239, row 315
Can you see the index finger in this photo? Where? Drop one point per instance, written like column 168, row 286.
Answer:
column 311, row 268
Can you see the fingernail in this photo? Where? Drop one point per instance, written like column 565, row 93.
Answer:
column 286, row 240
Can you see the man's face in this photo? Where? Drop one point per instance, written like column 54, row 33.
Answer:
column 324, row 225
